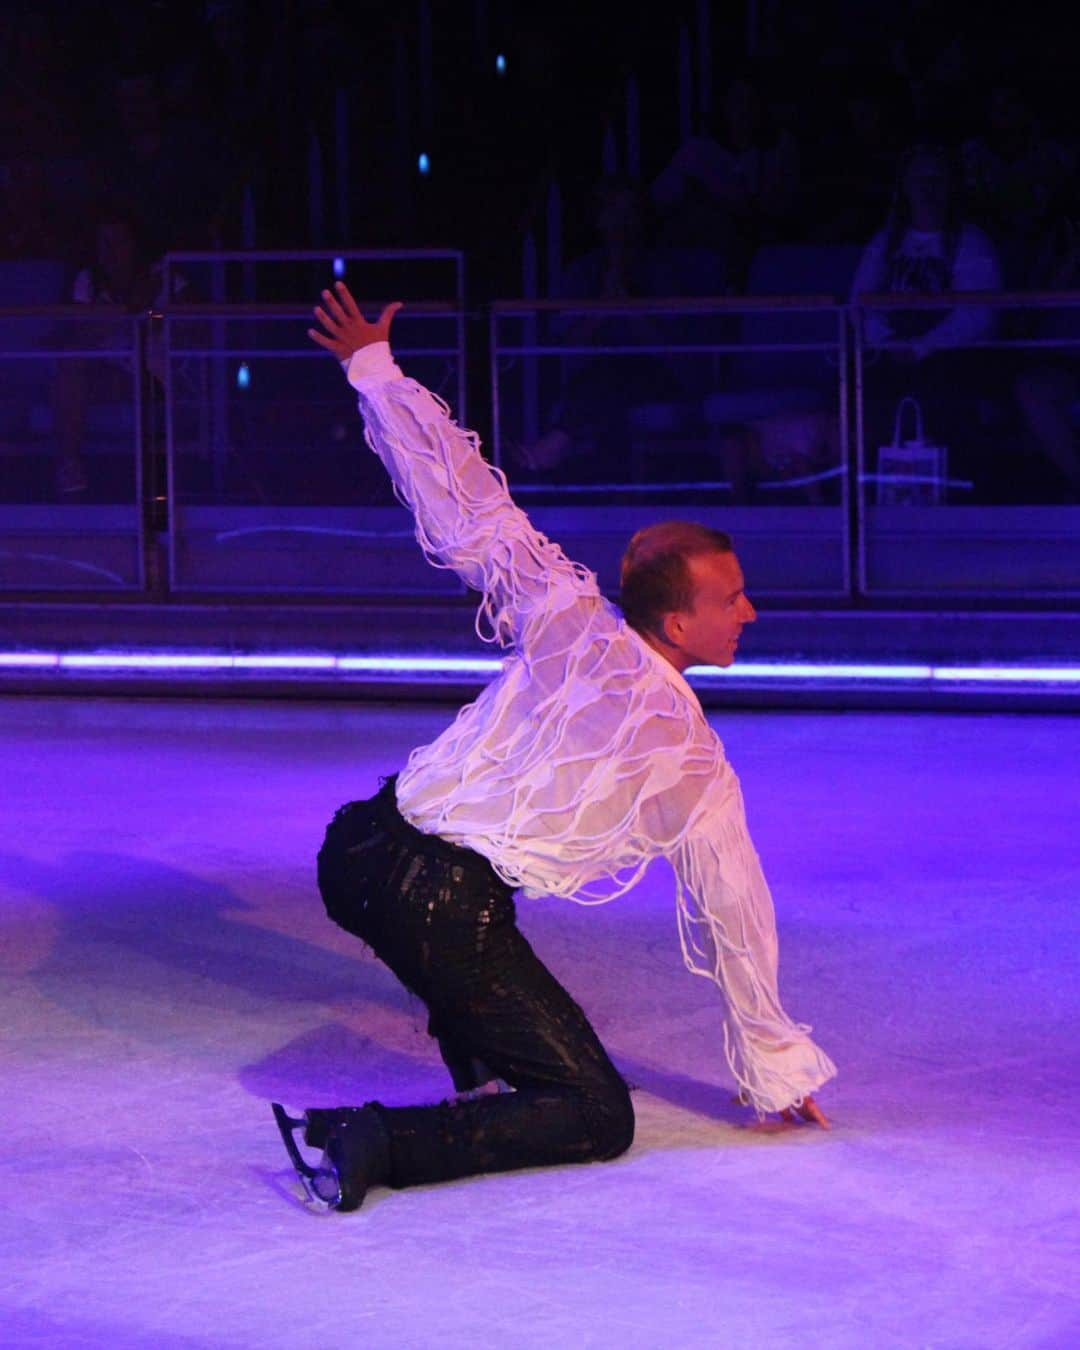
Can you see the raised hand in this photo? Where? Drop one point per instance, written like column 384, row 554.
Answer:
column 346, row 328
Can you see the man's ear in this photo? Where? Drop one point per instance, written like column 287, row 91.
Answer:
column 672, row 628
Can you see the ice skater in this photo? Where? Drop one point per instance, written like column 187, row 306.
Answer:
column 587, row 757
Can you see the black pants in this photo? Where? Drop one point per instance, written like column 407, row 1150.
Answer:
column 444, row 923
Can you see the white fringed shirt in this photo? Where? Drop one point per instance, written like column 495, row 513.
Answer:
column 589, row 754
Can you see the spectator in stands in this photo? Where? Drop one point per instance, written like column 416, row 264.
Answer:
column 1012, row 170
column 591, row 417
column 1048, row 389
column 927, row 248
column 736, row 189
column 627, row 262
column 124, row 275
column 846, row 194
column 935, row 50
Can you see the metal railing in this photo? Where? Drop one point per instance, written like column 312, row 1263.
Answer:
column 737, row 348
column 219, row 262
column 224, row 355
column 984, row 536
column 880, row 550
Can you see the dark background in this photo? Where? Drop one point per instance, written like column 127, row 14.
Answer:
column 237, row 90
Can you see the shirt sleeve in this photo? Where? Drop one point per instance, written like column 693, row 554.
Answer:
column 727, row 929
column 465, row 517
column 870, row 277
column 974, row 269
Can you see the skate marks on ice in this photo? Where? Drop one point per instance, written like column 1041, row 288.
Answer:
column 167, row 970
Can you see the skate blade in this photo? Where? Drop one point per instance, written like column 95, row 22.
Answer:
column 320, row 1183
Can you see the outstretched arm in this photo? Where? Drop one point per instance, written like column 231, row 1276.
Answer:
column 728, row 932
column 465, row 517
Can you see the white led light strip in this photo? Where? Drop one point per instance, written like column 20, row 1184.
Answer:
column 390, row 666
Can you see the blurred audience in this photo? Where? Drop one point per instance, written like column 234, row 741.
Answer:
column 123, row 275
column 1012, row 170
column 590, row 418
column 928, row 248
column 735, row 189
column 627, row 261
column 124, row 270
column 177, row 109
column 1048, row 388
column 847, row 188
column 936, row 53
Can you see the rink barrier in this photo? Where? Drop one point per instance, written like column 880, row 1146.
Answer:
column 753, row 330
column 1042, row 547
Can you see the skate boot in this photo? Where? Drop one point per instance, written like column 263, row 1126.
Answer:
column 356, row 1152
column 319, row 1120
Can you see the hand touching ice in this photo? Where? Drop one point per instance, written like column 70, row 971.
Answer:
column 809, row 1111
column 789, row 1118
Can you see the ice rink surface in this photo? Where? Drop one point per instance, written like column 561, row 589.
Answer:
column 167, row 970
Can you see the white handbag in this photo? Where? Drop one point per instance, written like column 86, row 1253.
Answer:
column 911, row 472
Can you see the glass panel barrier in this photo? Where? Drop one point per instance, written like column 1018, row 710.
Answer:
column 606, row 415
column 610, row 414
column 272, row 486
column 967, row 421
column 72, row 432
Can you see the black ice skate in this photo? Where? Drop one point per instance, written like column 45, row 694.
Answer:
column 320, row 1120
column 358, row 1149
column 356, row 1152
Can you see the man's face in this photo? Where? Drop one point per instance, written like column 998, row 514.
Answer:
column 708, row 633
